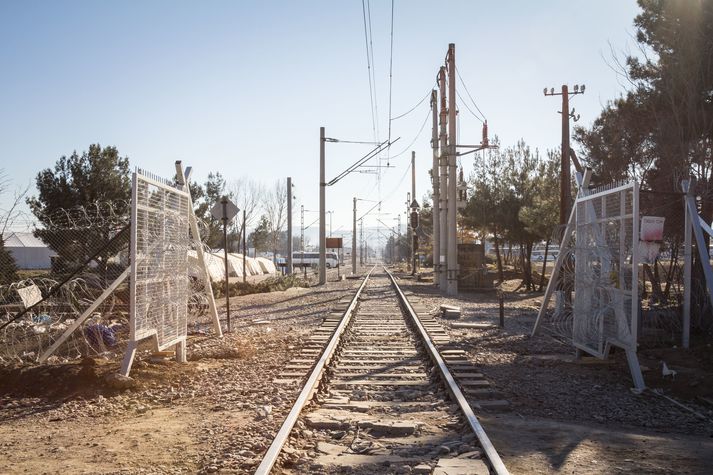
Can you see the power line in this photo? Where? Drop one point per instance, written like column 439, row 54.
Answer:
column 408, row 147
column 468, row 92
column 373, row 80
column 428, row 94
column 331, row 140
column 398, row 185
column 368, row 67
column 373, row 71
column 391, row 65
column 463, row 102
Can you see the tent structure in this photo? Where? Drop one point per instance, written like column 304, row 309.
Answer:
column 235, row 259
column 252, row 266
column 235, row 265
column 28, row 251
column 267, row 266
column 214, row 264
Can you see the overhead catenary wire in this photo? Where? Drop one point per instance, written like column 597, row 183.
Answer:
column 369, row 70
column 408, row 147
column 374, row 152
column 391, row 66
column 333, row 140
column 398, row 185
column 370, row 210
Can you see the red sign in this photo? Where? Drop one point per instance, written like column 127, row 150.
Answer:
column 334, row 243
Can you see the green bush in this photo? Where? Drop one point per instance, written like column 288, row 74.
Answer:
column 271, row 284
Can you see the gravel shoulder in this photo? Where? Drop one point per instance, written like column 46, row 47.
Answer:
column 570, row 416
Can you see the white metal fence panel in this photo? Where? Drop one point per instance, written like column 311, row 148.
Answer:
column 606, row 269
column 159, row 257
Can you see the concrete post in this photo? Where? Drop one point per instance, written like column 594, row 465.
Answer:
column 452, row 259
column 436, row 190
column 354, row 239
column 289, row 226
column 443, row 197
column 322, row 209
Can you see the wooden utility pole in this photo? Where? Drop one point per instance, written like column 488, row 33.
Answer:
column 452, row 259
column 443, row 177
column 565, row 180
column 436, row 190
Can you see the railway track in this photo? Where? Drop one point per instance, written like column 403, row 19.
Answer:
column 382, row 398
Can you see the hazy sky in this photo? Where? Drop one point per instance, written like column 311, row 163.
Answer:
column 242, row 87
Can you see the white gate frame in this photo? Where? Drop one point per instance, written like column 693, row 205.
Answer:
column 693, row 223
column 630, row 349
column 180, row 346
column 180, row 343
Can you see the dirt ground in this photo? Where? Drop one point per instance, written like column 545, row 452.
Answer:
column 572, row 416
column 219, row 412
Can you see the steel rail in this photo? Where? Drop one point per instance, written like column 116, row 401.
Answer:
column 490, row 452
column 278, row 442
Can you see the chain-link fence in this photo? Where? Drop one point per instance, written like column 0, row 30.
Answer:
column 89, row 250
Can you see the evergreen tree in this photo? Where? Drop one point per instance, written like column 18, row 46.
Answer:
column 97, row 175
column 8, row 268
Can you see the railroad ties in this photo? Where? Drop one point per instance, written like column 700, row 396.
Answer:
column 381, row 406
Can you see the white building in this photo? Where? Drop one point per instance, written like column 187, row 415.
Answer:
column 28, row 251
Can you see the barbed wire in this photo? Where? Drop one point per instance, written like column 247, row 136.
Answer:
column 58, row 301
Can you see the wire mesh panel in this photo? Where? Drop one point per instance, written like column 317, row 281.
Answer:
column 606, row 269
column 89, row 250
column 160, row 243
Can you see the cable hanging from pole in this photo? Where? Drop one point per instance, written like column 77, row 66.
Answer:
column 391, row 65
column 471, row 97
column 408, row 147
column 464, row 103
column 368, row 67
column 428, row 94
column 373, row 71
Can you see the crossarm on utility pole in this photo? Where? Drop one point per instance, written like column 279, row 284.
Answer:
column 361, row 161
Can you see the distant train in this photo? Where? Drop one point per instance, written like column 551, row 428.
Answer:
column 311, row 259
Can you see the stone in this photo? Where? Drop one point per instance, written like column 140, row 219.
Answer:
column 318, row 421
column 471, row 454
column 390, row 428
column 422, row 468
column 264, row 411
column 458, row 466
column 482, row 326
column 330, row 449
column 119, row 381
